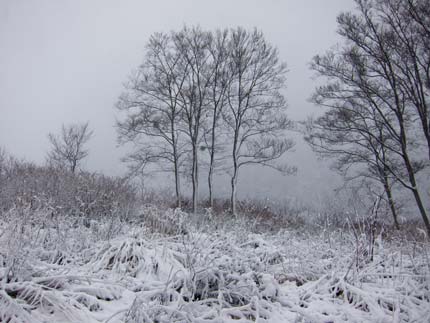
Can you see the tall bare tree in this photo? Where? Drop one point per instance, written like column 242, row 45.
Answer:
column 153, row 110
column 193, row 44
column 407, row 29
column 68, row 147
column 256, row 107
column 217, row 98
column 364, row 86
column 352, row 132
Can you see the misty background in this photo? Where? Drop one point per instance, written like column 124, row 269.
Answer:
column 66, row 62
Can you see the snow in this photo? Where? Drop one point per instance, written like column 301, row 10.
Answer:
column 177, row 269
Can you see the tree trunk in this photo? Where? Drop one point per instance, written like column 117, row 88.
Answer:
column 413, row 181
column 235, row 173
column 422, row 210
column 391, row 202
column 177, row 184
column 175, row 163
column 212, row 159
column 233, row 193
column 73, row 166
column 195, row 179
column 210, row 179
column 234, row 180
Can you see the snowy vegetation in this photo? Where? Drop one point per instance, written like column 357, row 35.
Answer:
column 168, row 266
column 84, row 247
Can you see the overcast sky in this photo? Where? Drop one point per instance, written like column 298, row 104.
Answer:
column 65, row 61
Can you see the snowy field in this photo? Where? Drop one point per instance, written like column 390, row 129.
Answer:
column 166, row 267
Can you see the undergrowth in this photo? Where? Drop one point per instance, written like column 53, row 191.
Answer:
column 170, row 266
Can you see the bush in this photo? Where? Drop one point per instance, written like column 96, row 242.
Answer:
column 85, row 194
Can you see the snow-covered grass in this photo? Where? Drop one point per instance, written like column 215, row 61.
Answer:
column 168, row 266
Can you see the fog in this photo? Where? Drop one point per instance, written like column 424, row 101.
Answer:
column 66, row 61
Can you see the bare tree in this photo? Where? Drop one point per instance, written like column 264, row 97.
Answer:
column 353, row 134
column 407, row 25
column 368, row 102
column 192, row 44
column 256, row 108
column 153, row 110
column 68, row 147
column 218, row 49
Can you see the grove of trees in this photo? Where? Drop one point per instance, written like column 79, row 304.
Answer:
column 203, row 98
column 376, row 93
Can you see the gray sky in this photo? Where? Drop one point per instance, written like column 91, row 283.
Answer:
column 65, row 61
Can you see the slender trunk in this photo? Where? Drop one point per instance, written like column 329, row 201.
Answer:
column 427, row 135
column 413, row 181
column 373, row 228
column 428, row 144
column 428, row 140
column 238, row 122
column 391, row 201
column 210, row 179
column 197, row 185
column 426, row 124
column 386, row 182
column 195, row 180
column 235, row 175
column 422, row 209
column 212, row 159
column 233, row 192
column 177, row 184
column 175, row 165
column 73, row 167
column 417, row 195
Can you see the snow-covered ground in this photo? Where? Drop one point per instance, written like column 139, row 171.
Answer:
column 163, row 267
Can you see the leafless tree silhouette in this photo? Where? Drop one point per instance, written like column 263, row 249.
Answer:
column 68, row 147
